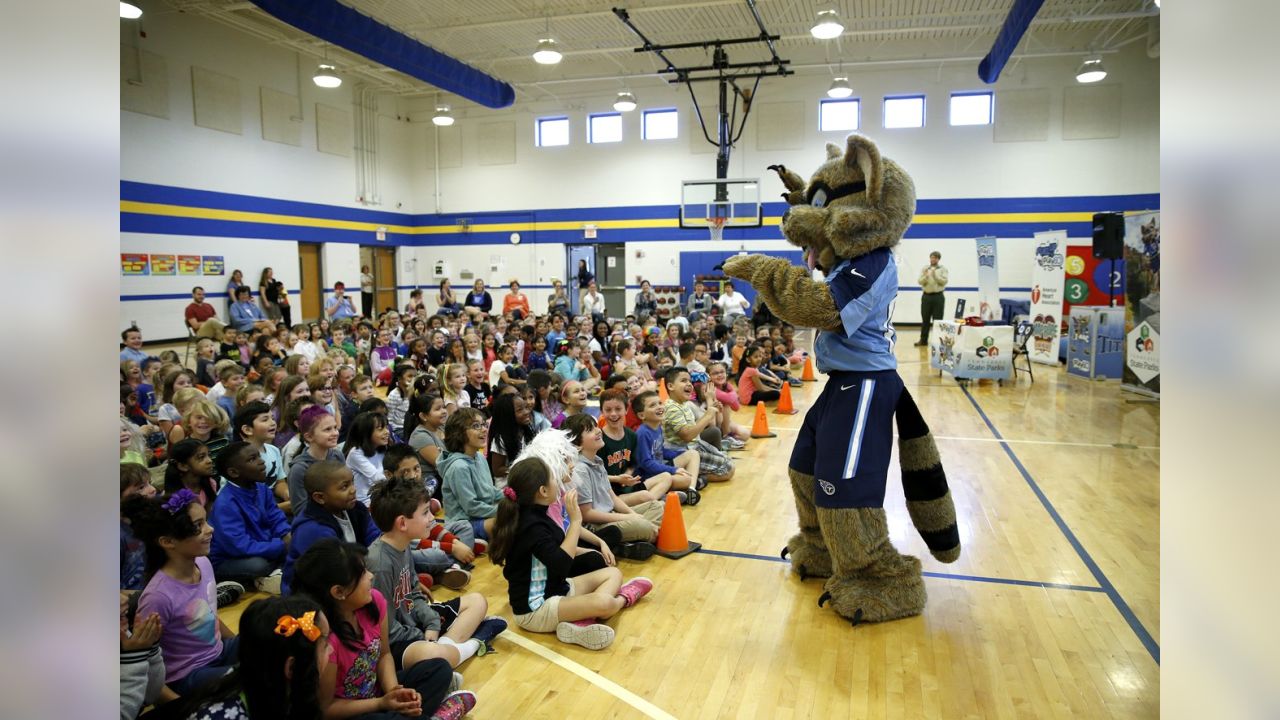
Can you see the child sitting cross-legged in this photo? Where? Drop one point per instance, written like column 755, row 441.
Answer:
column 331, row 511
column 600, row 507
column 319, row 431
column 360, row 678
column 682, row 428
column 552, row 584
column 469, row 492
column 619, row 454
column 418, row 628
column 445, row 552
column 653, row 456
column 255, row 426
column 254, row 534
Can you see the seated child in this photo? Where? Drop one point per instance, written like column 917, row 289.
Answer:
column 419, row 628
column 141, row 665
column 681, row 427
column 652, row 454
column 359, row 678
column 753, row 384
column 198, row 648
column 599, row 505
column 469, row 492
column 368, row 439
column 618, row 454
column 134, row 480
column 446, row 552
column 574, row 589
column 398, row 398
column 319, row 432
column 253, row 534
column 254, row 425
column 331, row 511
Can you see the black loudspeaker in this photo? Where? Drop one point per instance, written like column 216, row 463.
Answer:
column 1108, row 236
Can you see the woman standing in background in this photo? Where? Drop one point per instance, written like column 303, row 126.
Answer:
column 366, row 292
column 266, row 290
column 237, row 279
column 584, row 279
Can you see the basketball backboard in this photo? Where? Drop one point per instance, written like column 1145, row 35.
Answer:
column 729, row 202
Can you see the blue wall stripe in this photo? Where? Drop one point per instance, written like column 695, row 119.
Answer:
column 168, row 195
column 942, row 576
column 1125, row 611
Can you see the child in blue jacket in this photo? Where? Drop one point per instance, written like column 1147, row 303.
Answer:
column 654, row 457
column 331, row 511
column 251, row 534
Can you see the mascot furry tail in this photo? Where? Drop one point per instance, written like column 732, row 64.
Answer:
column 924, row 483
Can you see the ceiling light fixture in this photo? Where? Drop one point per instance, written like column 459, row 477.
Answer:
column 828, row 25
column 1091, row 70
column 443, row 116
column 626, row 102
column 129, row 11
column 326, row 76
column 548, row 52
column 839, row 88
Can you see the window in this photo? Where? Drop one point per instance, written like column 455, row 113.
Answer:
column 971, row 108
column 904, row 112
column 838, row 114
column 659, row 124
column 604, row 128
column 552, row 131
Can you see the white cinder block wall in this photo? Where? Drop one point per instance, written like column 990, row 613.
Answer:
column 945, row 161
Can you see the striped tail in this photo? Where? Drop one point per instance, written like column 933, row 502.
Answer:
column 924, row 483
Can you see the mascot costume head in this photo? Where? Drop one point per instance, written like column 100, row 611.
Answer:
column 847, row 219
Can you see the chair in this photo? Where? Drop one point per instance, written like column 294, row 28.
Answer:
column 191, row 343
column 1021, row 334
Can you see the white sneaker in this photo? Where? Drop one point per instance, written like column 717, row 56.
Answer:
column 735, row 443
column 269, row 584
column 587, row 633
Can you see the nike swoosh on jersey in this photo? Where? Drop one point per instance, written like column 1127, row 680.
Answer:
column 846, row 387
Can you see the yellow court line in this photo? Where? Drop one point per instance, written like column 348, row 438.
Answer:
column 609, row 686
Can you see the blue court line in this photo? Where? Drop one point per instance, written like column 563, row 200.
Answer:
column 1125, row 611
column 943, row 576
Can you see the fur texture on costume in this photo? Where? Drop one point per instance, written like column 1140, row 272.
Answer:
column 856, row 202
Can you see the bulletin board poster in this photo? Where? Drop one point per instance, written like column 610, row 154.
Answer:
column 188, row 264
column 214, row 265
column 163, row 265
column 1142, row 311
column 1086, row 281
column 134, row 264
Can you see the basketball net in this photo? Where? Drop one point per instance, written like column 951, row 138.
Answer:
column 716, row 226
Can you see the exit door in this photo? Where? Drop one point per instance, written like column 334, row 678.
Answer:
column 611, row 278
column 577, row 253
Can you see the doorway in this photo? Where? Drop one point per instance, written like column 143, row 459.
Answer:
column 382, row 262
column 312, row 290
column 576, row 253
column 611, row 278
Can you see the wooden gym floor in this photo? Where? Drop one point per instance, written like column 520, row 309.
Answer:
column 1052, row 610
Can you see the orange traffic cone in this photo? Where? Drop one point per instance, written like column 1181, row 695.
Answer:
column 662, row 390
column 760, row 428
column 807, row 375
column 784, row 402
column 672, row 541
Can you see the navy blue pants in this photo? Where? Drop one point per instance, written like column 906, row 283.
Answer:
column 846, row 440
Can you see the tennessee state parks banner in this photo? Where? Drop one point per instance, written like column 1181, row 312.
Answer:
column 988, row 279
column 1142, row 306
column 1046, row 295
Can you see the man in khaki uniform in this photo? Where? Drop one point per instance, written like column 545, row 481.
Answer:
column 933, row 279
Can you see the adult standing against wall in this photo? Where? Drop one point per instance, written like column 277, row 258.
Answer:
column 265, row 283
column 933, row 280
column 585, row 278
column 366, row 292
column 339, row 306
column 479, row 303
column 237, row 279
column 446, row 300
column 281, row 300
column 201, row 317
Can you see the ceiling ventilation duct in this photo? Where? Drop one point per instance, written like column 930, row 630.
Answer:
column 338, row 24
column 1015, row 26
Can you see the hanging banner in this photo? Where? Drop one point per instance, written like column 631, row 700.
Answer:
column 988, row 279
column 163, row 265
column 1046, row 296
column 134, row 264
column 213, row 265
column 188, row 264
column 1142, row 306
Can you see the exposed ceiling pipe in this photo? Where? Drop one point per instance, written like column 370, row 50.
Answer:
column 1015, row 26
column 347, row 28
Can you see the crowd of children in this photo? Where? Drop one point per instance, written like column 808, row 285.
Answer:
column 548, row 442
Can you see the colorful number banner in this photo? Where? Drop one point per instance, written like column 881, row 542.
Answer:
column 134, row 264
column 1046, row 296
column 188, row 264
column 163, row 265
column 1142, row 309
column 988, row 279
column 214, row 265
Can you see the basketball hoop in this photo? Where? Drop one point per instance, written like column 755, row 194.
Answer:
column 716, row 226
